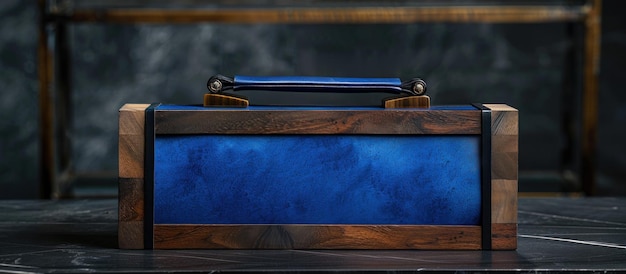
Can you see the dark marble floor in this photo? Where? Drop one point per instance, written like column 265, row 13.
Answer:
column 555, row 234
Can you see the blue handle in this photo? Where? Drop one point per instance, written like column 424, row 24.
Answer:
column 220, row 83
column 330, row 84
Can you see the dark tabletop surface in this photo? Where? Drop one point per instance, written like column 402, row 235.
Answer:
column 555, row 234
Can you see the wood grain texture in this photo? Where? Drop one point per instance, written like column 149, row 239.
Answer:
column 388, row 121
column 504, row 201
column 225, row 121
column 130, row 235
column 130, row 156
column 131, row 173
column 316, row 237
column 504, row 165
column 504, row 176
column 505, row 143
column 504, row 119
column 221, row 100
column 131, row 197
column 492, row 14
column 131, row 140
column 131, row 119
column 504, row 236
column 590, row 104
column 422, row 101
column 500, row 107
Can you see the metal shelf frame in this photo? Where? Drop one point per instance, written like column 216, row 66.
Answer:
column 54, row 50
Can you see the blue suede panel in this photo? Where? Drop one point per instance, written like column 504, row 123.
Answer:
column 317, row 179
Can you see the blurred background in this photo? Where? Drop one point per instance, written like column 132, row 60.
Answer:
column 528, row 66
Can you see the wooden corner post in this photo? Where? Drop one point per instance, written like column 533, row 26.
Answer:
column 131, row 176
column 504, row 174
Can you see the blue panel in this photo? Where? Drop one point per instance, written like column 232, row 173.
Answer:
column 317, row 179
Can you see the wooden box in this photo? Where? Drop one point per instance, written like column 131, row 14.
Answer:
column 318, row 178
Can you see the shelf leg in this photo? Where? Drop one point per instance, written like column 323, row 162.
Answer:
column 46, row 115
column 591, row 63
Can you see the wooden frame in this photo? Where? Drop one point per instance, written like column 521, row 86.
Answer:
column 498, row 233
column 55, row 83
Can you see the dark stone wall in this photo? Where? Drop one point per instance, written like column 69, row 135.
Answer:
column 523, row 65
column 19, row 131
